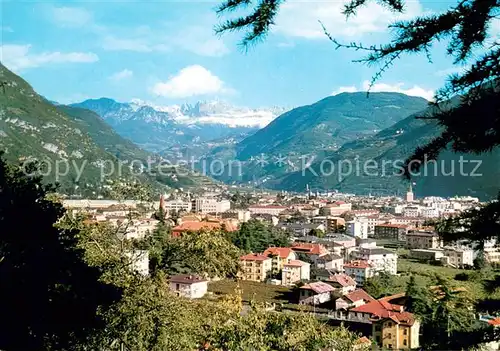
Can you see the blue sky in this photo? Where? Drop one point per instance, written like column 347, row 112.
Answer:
column 165, row 52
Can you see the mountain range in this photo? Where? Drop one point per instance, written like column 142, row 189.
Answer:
column 289, row 153
column 166, row 129
column 77, row 141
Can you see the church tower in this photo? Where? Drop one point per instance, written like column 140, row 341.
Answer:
column 409, row 195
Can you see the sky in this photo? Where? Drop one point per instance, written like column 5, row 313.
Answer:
column 165, row 52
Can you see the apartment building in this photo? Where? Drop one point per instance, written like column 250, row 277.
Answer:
column 177, row 206
column 267, row 209
column 336, row 209
column 381, row 259
column 459, row 257
column 255, row 267
column 359, row 271
column 280, row 256
column 423, row 240
column 395, row 232
column 207, row 205
column 358, row 228
column 295, row 271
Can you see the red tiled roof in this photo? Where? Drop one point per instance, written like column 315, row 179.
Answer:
column 254, row 257
column 282, row 252
column 494, row 322
column 381, row 309
column 359, row 294
column 318, row 287
column 342, row 279
column 357, row 264
column 311, row 248
column 296, row 263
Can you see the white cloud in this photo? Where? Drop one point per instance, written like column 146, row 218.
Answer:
column 349, row 89
column 7, row 29
column 384, row 87
column 121, row 75
column 72, row 16
column 371, row 18
column 191, row 81
column 18, row 57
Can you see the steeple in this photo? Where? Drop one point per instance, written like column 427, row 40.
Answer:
column 409, row 195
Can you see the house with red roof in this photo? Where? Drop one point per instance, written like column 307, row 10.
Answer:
column 342, row 282
column 280, row 256
column 353, row 299
column 315, row 293
column 295, row 271
column 196, row 226
column 255, row 267
column 312, row 250
column 359, row 270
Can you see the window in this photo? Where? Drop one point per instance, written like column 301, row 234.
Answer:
column 405, row 331
column 389, row 346
column 177, row 286
column 389, row 336
column 405, row 342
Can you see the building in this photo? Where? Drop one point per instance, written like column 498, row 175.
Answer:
column 204, row 205
column 331, row 262
column 138, row 229
column 267, row 209
column 315, row 293
column 381, row 259
column 427, row 254
column 301, row 229
column 396, row 232
column 353, row 299
column 331, row 223
column 177, row 206
column 295, row 271
column 411, row 211
column 342, row 283
column 240, row 215
column 196, row 226
column 336, row 209
column 256, row 267
column 312, row 250
column 409, row 194
column 358, row 227
column 280, row 256
column 189, row 286
column 364, row 213
column 422, row 240
column 392, row 327
column 344, row 240
column 139, row 261
column 459, row 257
column 360, row 271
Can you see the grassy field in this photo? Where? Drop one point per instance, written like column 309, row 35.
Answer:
column 253, row 291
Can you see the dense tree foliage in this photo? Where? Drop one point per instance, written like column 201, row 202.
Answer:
column 257, row 236
column 49, row 296
column 446, row 314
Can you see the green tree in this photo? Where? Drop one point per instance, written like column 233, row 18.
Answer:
column 204, row 252
column 48, row 295
column 380, row 285
column 257, row 236
column 317, row 232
